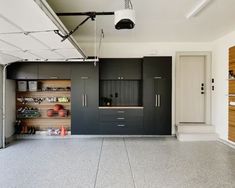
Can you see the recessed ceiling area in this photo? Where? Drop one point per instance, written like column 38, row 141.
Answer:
column 156, row 20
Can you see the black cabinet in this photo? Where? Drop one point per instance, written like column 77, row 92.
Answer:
column 22, row 71
column 84, row 93
column 157, row 73
column 121, row 121
column 50, row 70
column 121, row 69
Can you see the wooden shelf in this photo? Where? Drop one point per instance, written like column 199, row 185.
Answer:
column 231, row 119
column 43, row 91
column 231, row 61
column 43, row 104
column 43, row 122
column 56, row 117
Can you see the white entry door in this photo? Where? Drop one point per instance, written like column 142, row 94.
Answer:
column 192, row 89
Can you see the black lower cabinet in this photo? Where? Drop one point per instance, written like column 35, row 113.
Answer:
column 121, row 121
column 85, row 99
column 157, row 87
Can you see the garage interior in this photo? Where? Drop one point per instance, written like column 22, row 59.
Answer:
column 117, row 94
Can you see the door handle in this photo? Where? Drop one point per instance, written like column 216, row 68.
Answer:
column 85, row 99
column 156, row 101
column 121, row 112
column 53, row 77
column 121, row 125
column 159, row 100
column 202, row 88
column 120, row 118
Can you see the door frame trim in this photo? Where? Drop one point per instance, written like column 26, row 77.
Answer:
column 207, row 55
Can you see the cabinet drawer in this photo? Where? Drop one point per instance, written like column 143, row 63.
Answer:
column 124, row 112
column 117, row 128
column 120, row 115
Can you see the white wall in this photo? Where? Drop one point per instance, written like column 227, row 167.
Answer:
column 10, row 98
column 121, row 50
column 220, row 73
column 10, row 108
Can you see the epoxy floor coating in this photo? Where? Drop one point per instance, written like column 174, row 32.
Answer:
column 116, row 163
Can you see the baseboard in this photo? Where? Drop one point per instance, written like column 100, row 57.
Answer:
column 44, row 135
column 190, row 137
column 228, row 143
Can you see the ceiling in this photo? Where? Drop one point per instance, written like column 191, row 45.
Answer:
column 27, row 33
column 156, row 20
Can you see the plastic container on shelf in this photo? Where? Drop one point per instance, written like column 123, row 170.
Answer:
column 22, row 85
column 33, row 85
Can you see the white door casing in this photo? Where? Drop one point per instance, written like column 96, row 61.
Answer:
column 193, row 73
column 1, row 114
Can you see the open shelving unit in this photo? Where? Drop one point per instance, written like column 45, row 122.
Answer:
column 231, row 126
column 47, row 89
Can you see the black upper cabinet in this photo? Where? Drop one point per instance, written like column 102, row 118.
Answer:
column 121, row 69
column 157, row 67
column 85, row 98
column 54, row 70
column 157, row 83
column 22, row 71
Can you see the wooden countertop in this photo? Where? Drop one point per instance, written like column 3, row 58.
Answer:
column 121, row 107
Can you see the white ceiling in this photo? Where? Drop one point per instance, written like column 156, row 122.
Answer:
column 157, row 20
column 18, row 19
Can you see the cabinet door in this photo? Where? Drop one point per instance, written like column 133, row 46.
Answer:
column 150, row 105
column 54, row 71
column 84, row 99
column 157, row 96
column 121, row 68
column 130, row 69
column 163, row 109
column 22, row 71
column 109, row 69
column 157, row 67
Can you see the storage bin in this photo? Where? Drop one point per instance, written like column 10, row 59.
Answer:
column 33, row 85
column 22, row 85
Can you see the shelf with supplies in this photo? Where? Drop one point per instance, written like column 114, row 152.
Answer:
column 231, row 95
column 44, row 104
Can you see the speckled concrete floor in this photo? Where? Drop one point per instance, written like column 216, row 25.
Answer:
column 116, row 163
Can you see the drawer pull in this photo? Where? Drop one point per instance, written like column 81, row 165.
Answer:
column 121, row 125
column 120, row 118
column 53, row 77
column 120, row 112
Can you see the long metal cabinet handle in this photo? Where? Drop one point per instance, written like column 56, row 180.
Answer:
column 120, row 118
column 121, row 125
column 85, row 99
column 156, row 100
column 159, row 100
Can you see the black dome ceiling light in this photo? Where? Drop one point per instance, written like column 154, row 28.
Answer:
column 123, row 19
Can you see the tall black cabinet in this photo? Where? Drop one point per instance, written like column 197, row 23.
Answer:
column 157, row 73
column 85, row 98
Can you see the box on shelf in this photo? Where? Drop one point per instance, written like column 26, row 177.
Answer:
column 22, row 85
column 33, row 85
